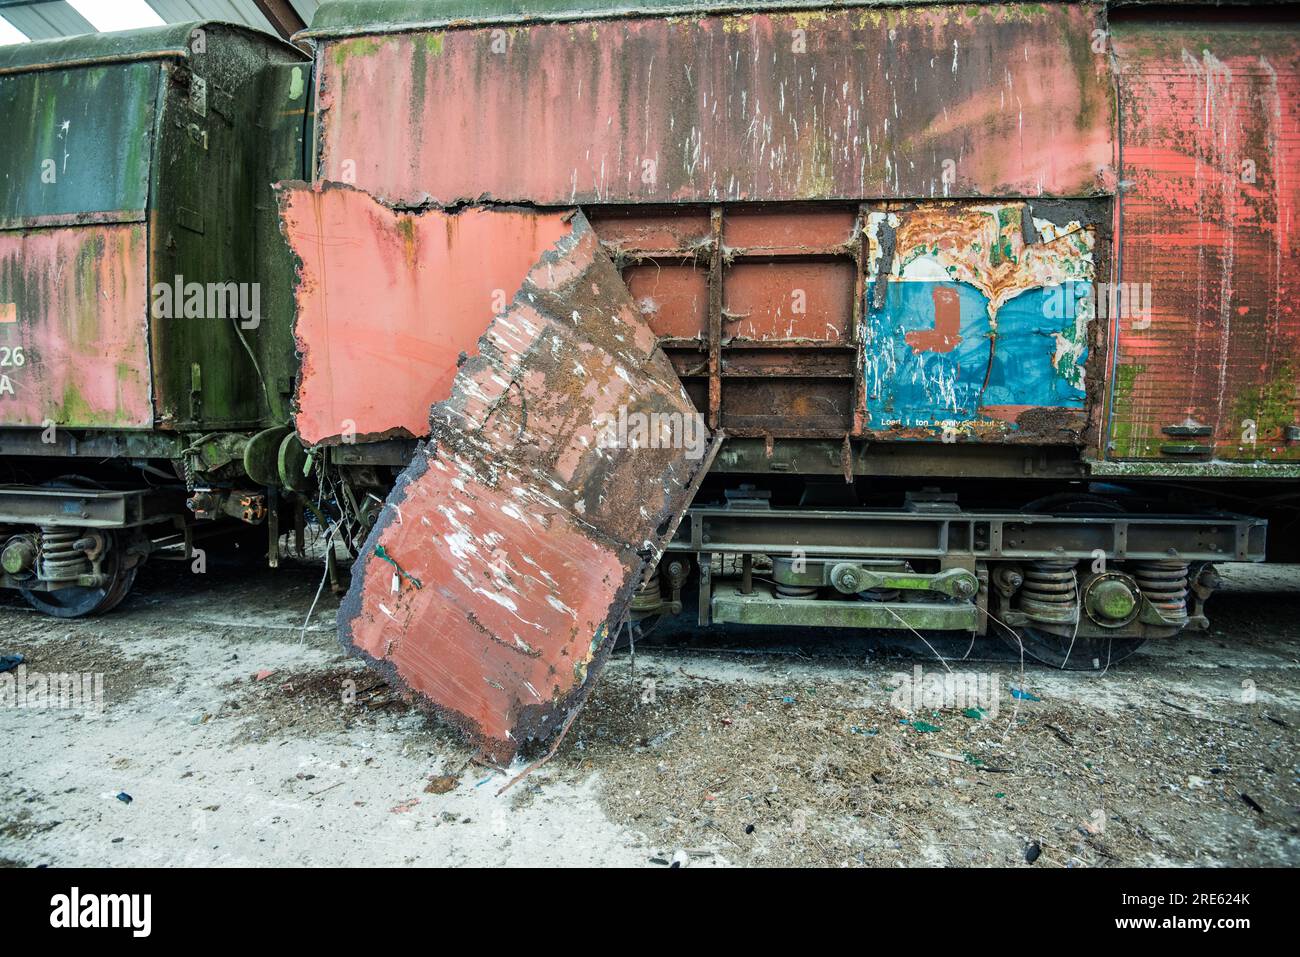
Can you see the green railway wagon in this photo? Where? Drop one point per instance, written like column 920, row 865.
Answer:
column 146, row 349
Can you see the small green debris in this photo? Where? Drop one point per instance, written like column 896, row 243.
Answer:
column 975, row 714
column 381, row 553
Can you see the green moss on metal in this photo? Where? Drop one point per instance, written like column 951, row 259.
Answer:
column 1271, row 405
column 1124, row 438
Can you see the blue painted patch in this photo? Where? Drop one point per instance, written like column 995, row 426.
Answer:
column 1022, row 372
column 922, row 389
column 925, row 389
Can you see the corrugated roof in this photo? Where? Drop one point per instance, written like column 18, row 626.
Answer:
column 149, row 43
column 51, row 19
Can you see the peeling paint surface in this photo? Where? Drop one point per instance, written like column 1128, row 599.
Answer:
column 74, row 334
column 906, row 102
column 521, row 527
column 976, row 323
column 1210, row 245
column 387, row 302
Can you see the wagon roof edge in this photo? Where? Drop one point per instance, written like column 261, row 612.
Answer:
column 345, row 18
column 171, row 41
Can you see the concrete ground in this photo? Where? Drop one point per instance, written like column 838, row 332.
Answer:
column 239, row 738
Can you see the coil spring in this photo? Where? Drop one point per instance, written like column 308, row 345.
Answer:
column 1164, row 585
column 1050, row 591
column 60, row 560
column 648, row 597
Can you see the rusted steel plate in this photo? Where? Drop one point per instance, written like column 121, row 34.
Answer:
column 510, row 548
column 853, row 103
column 778, row 301
column 1208, row 329
column 673, row 298
column 788, row 231
column 388, row 302
column 978, row 321
column 74, row 333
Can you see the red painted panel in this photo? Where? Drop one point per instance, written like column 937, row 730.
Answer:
column 388, row 302
column 509, row 549
column 1210, row 243
column 907, row 102
column 674, row 299
column 788, row 231
column 650, row 232
column 788, row 300
column 74, row 333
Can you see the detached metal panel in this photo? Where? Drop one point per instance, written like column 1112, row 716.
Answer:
column 1208, row 359
column 831, row 104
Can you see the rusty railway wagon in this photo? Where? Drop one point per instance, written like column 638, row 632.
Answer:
column 146, row 352
column 989, row 310
column 971, row 318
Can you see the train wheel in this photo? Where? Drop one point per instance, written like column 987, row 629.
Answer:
column 79, row 601
column 1077, row 654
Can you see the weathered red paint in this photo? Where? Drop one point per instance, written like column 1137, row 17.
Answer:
column 766, row 301
column 905, row 102
column 673, row 298
column 74, row 334
column 519, row 531
column 947, row 324
column 388, row 302
column 1210, row 118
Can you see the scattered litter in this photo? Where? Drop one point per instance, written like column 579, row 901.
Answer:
column 924, row 726
column 1032, row 852
column 949, row 756
column 681, row 859
column 264, row 674
column 10, row 662
column 441, row 784
column 405, row 806
column 1024, row 695
column 975, row 714
column 1251, row 803
column 127, row 799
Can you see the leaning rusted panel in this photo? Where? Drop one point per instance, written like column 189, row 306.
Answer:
column 510, row 548
column 849, row 103
column 390, row 303
column 1206, row 317
column 73, row 327
column 978, row 320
